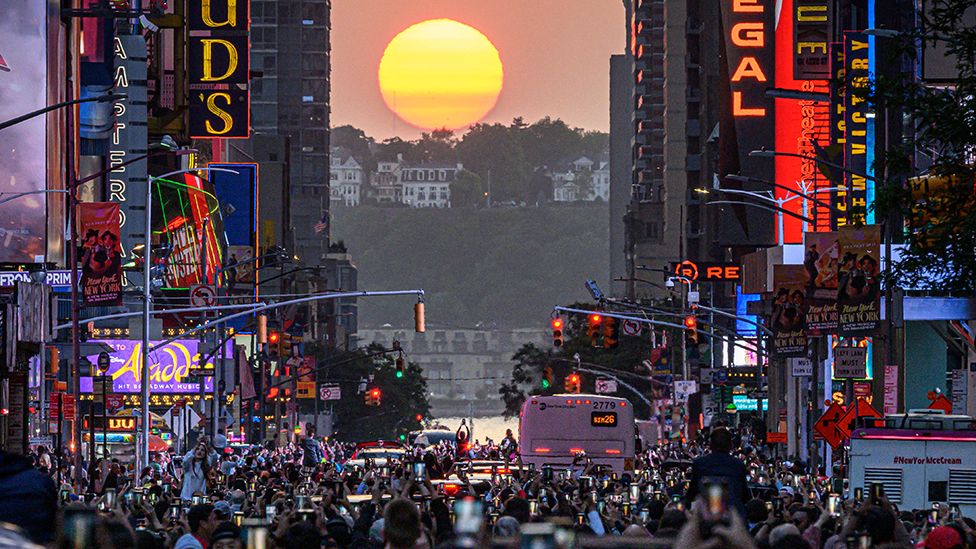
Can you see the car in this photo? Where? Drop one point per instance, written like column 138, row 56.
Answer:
column 379, row 452
column 433, row 437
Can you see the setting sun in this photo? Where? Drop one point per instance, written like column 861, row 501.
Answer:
column 441, row 74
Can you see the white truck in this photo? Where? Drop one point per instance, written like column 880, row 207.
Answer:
column 922, row 457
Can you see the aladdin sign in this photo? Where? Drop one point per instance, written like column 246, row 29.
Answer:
column 169, row 367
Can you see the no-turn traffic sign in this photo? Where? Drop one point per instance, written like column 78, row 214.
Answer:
column 203, row 295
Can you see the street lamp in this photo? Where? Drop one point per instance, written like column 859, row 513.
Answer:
column 767, row 153
column 142, row 455
column 99, row 99
column 780, row 202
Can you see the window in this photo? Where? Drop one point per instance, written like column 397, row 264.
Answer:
column 420, row 176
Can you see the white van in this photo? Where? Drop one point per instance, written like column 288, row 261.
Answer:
column 922, row 457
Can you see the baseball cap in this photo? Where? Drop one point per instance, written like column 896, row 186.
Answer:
column 222, row 508
column 943, row 537
column 225, row 530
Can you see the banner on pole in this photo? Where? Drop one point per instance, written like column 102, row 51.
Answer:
column 101, row 261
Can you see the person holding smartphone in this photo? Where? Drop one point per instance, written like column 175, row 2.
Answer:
column 719, row 465
column 196, row 470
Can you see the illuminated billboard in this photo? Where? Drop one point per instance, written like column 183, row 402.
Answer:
column 219, row 69
column 23, row 75
column 186, row 215
column 169, row 366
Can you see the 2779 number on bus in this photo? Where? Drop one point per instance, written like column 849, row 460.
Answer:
column 603, row 419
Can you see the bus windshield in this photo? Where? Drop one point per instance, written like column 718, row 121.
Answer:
column 554, row 429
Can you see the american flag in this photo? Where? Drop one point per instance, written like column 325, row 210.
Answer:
column 323, row 224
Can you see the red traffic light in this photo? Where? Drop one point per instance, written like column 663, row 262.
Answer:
column 420, row 417
column 574, row 378
column 375, row 393
column 273, row 337
column 595, row 319
column 691, row 322
column 557, row 324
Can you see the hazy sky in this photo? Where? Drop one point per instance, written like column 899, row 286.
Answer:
column 556, row 56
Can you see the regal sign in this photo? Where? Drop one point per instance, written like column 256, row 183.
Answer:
column 219, row 68
column 707, row 271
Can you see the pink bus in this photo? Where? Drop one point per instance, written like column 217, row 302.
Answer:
column 554, row 429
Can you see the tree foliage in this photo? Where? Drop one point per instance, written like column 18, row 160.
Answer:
column 941, row 125
column 402, row 399
column 467, row 190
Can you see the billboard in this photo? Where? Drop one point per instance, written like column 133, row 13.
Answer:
column 820, row 259
column 746, row 113
column 219, row 69
column 168, row 366
column 187, row 216
column 856, row 125
column 23, row 74
column 101, row 261
column 130, row 138
column 788, row 322
column 240, row 191
column 801, row 125
column 859, row 281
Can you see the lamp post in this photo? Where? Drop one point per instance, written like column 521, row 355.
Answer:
column 24, row 117
column 142, row 454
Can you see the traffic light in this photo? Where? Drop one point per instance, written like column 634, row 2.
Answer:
column 373, row 397
column 420, row 322
column 611, row 333
column 400, row 367
column 274, row 338
column 572, row 383
column 593, row 328
column 557, row 332
column 691, row 329
column 546, row 377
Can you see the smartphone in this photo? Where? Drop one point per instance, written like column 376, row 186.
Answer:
column 625, row 508
column 302, row 502
column 777, row 505
column 109, row 501
column 858, row 494
column 769, row 507
column 601, row 506
column 833, row 505
column 546, row 473
column 634, row 493
column 64, row 495
column 954, row 512
column 166, row 488
column 533, row 507
column 198, row 500
column 270, row 511
column 420, row 471
column 238, row 518
column 645, row 515
column 580, row 518
column 255, row 535
column 316, row 498
column 585, row 483
column 79, row 528
column 864, row 541
column 468, row 517
column 174, row 513
column 306, row 515
column 934, row 514
column 136, row 496
column 877, row 492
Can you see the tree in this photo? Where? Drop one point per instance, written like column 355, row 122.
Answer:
column 584, row 182
column 467, row 190
column 941, row 242
column 402, row 399
column 437, row 146
column 550, row 142
column 491, row 151
column 358, row 144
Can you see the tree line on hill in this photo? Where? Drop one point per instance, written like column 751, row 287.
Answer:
column 511, row 162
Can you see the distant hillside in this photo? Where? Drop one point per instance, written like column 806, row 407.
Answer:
column 508, row 266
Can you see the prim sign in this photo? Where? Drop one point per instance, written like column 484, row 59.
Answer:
column 748, row 43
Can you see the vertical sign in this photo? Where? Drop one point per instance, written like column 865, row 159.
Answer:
column 219, row 69
column 101, row 262
column 811, row 33
column 789, row 310
column 17, row 413
column 838, row 135
column 856, row 124
column 820, row 257
column 746, row 115
column 859, row 281
column 890, row 389
column 130, row 138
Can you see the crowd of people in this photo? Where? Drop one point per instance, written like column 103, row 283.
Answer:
column 718, row 490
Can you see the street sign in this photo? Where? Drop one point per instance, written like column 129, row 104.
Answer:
column 801, row 367
column 774, row 437
column 829, row 426
column 100, row 386
column 103, row 362
column 606, row 386
column 202, row 295
column 305, row 389
column 631, row 328
column 330, row 392
column 684, row 389
column 861, row 409
column 199, row 371
column 850, row 362
column 69, row 407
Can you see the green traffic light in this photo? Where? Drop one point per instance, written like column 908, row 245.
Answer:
column 403, row 437
column 545, row 383
column 399, row 375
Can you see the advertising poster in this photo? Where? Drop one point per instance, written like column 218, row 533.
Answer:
column 820, row 259
column 789, row 310
column 23, row 49
column 859, row 280
column 856, row 76
column 169, row 367
column 101, row 259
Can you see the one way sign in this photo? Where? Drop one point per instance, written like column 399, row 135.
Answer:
column 829, row 426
